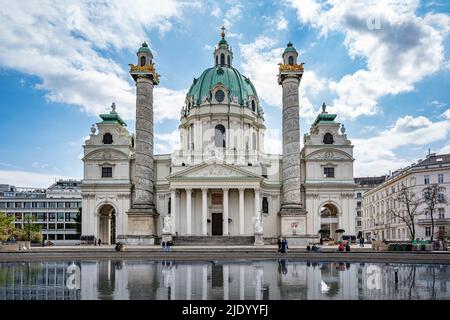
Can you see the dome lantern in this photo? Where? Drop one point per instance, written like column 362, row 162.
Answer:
column 223, row 54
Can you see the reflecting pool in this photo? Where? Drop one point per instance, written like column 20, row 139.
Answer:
column 286, row 279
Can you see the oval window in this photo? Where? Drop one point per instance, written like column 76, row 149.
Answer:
column 220, row 96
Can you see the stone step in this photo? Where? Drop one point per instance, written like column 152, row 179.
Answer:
column 213, row 240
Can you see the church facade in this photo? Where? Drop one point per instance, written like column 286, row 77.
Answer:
column 220, row 183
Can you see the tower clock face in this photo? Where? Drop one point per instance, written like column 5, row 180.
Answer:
column 220, row 95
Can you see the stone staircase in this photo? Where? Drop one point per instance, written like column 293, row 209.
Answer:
column 213, row 240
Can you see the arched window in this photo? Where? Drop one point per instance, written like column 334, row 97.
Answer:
column 143, row 61
column 253, row 106
column 219, row 136
column 228, row 60
column 265, row 205
column 169, row 205
column 107, row 138
column 291, row 60
column 217, row 60
column 328, row 138
column 222, row 59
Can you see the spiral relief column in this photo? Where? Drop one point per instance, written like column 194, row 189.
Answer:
column 142, row 215
column 293, row 216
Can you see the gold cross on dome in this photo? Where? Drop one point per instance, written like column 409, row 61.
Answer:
column 223, row 31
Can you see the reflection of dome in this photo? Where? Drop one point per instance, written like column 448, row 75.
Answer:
column 238, row 85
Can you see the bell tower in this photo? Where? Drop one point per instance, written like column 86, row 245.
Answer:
column 142, row 216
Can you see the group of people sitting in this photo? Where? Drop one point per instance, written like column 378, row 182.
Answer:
column 166, row 245
column 344, row 246
column 313, row 248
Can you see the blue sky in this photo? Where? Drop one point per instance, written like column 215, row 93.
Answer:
column 382, row 66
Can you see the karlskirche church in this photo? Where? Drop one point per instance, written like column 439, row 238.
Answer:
column 220, row 187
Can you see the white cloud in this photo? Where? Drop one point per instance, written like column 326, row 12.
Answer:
column 282, row 23
column 58, row 43
column 216, row 12
column 40, row 165
column 168, row 103
column 438, row 104
column 8, row 165
column 29, row 179
column 272, row 141
column 260, row 63
column 399, row 47
column 377, row 154
column 445, row 149
column 446, row 114
column 167, row 142
column 230, row 16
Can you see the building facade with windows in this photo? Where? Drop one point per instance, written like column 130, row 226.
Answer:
column 379, row 222
column 363, row 184
column 220, row 182
column 55, row 209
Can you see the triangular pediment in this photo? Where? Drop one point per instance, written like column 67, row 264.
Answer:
column 214, row 170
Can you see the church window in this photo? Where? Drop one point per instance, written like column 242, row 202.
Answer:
column 106, row 172
column 217, row 60
column 169, row 205
column 328, row 172
column 328, row 138
column 220, row 136
column 228, row 61
column 264, row 172
column 222, row 59
column 291, row 60
column 107, row 138
column 265, row 205
column 253, row 106
column 220, row 95
column 143, row 61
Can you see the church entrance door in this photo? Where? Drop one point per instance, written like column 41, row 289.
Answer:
column 107, row 224
column 217, row 224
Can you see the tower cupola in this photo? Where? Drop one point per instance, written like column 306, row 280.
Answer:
column 144, row 54
column 290, row 55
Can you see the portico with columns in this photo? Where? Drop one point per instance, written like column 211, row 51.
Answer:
column 214, row 199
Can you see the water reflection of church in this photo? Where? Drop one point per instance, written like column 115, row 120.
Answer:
column 283, row 279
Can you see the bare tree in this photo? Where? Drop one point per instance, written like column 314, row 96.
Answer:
column 406, row 208
column 433, row 198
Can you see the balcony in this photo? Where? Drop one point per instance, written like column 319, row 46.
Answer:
column 437, row 221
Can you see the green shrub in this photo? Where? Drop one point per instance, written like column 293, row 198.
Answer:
column 403, row 246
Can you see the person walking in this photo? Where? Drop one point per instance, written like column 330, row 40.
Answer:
column 99, row 241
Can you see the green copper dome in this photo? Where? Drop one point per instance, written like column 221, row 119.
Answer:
column 238, row 85
column 289, row 48
column 144, row 48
